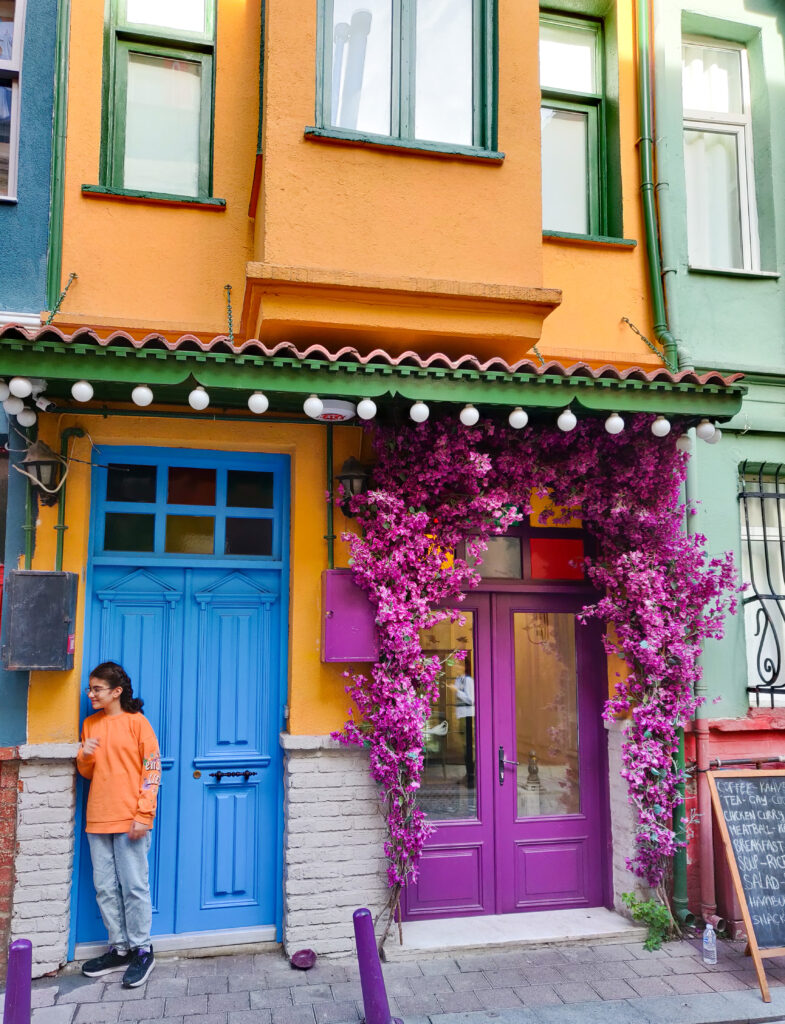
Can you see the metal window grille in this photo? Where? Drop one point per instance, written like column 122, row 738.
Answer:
column 761, row 500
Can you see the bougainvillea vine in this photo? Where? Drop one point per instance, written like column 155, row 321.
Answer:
column 438, row 485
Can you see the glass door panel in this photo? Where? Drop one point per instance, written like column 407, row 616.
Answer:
column 449, row 783
column 456, row 870
column 546, row 703
column 548, row 679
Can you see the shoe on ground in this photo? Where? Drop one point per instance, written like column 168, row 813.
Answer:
column 139, row 969
column 106, row 963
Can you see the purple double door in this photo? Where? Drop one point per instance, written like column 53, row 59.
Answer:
column 515, row 773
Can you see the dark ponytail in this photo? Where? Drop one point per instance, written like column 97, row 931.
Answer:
column 114, row 675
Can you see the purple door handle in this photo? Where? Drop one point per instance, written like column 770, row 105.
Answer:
column 502, row 762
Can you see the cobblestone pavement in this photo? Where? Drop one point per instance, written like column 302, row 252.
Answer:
column 604, row 984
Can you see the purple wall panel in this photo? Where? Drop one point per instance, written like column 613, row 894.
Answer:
column 348, row 619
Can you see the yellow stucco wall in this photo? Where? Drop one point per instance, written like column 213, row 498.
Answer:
column 398, row 214
column 601, row 284
column 157, row 267
column 316, row 692
column 372, row 213
column 350, row 211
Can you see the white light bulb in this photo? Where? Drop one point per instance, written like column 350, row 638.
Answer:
column 141, row 395
column 684, row 444
column 366, row 409
column 20, row 387
column 716, row 437
column 26, row 418
column 518, row 418
column 313, row 406
column 258, row 403
column 13, row 405
column 469, row 415
column 199, row 399
column 82, row 391
column 661, row 427
column 614, row 423
column 5, row 391
column 567, row 421
column 419, row 412
column 705, row 429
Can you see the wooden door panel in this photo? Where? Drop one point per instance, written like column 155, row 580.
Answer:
column 137, row 622
column 548, row 674
column 227, row 874
column 550, row 873
column 457, row 864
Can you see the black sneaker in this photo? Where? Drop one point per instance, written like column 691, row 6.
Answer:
column 106, row 963
column 139, row 969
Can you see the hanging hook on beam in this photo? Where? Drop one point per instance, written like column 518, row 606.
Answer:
column 228, row 290
column 71, row 278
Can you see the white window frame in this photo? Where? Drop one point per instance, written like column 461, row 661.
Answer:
column 739, row 126
column 11, row 72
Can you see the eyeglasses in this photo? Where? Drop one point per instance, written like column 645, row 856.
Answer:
column 96, row 691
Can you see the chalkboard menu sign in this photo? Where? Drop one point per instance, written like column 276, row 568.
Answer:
column 750, row 809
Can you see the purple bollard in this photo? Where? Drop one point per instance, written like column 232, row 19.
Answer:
column 17, row 991
column 377, row 1009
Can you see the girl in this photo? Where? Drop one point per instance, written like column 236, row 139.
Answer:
column 119, row 754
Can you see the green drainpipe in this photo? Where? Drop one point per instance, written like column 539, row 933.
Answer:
column 55, row 253
column 60, row 527
column 330, row 535
column 646, row 148
column 681, row 909
column 671, row 355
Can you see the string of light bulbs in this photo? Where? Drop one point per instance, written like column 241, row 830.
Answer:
column 17, row 389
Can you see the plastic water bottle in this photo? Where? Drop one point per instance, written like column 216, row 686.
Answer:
column 709, row 944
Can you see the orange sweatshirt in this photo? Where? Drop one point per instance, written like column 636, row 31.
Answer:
column 124, row 772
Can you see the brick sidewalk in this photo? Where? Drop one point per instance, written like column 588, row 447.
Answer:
column 608, row 984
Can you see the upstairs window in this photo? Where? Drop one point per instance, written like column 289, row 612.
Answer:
column 11, row 24
column 158, row 112
column 722, row 223
column 572, row 125
column 414, row 70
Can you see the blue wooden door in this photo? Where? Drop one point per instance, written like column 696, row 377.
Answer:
column 230, row 778
column 188, row 582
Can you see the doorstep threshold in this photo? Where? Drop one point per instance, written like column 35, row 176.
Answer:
column 511, row 931
column 211, row 943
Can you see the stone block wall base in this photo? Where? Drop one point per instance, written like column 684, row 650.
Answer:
column 333, row 844
column 623, row 824
column 43, row 863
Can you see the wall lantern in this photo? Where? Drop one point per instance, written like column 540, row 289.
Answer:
column 42, row 466
column 353, row 478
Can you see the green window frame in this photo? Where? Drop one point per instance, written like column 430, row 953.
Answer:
column 592, row 106
column 122, row 39
column 403, row 64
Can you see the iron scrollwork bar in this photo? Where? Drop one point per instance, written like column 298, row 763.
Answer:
column 762, row 591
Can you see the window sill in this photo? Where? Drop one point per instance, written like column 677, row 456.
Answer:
column 598, row 241
column 156, row 198
column 10, row 200
column 720, row 272
column 437, row 149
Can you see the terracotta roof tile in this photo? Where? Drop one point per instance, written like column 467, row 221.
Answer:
column 222, row 345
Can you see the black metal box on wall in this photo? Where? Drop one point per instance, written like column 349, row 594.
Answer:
column 39, row 611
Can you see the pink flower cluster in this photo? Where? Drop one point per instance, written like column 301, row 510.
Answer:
column 438, row 484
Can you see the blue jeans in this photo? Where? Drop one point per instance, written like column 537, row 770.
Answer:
column 120, row 876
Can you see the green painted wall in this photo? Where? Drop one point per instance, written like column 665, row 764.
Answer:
column 749, row 437
column 728, row 322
